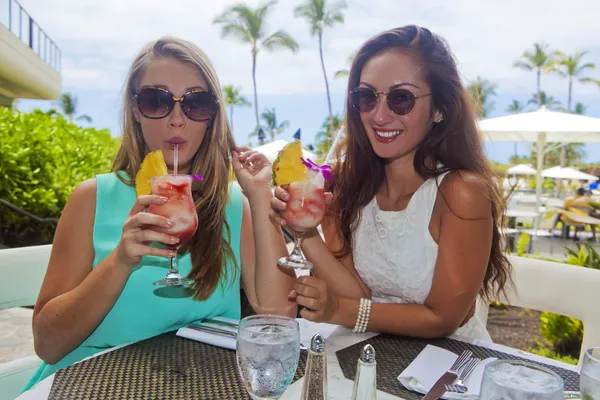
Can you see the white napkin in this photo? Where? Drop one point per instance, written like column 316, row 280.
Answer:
column 431, row 364
column 212, row 338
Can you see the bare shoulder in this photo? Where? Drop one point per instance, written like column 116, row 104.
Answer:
column 466, row 194
column 85, row 192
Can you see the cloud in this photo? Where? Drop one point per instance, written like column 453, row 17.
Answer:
column 99, row 39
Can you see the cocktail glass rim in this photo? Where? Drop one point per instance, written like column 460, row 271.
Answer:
column 528, row 364
column 162, row 177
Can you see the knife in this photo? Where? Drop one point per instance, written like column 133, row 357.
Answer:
column 439, row 388
column 210, row 329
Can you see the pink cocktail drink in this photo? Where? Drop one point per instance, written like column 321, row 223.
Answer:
column 179, row 207
column 305, row 211
column 306, row 206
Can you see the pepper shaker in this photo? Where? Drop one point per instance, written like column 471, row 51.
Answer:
column 365, row 381
column 315, row 377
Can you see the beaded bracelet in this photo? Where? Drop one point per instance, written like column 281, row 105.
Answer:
column 362, row 319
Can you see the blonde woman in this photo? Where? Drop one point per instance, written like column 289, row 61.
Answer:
column 98, row 290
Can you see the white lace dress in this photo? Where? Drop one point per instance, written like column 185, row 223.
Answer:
column 395, row 255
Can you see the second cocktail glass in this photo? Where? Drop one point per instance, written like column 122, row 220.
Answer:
column 305, row 210
column 180, row 209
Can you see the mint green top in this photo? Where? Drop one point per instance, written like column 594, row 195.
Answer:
column 144, row 310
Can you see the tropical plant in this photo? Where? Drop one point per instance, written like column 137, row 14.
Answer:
column 480, row 92
column 323, row 138
column 540, row 60
column 580, row 108
column 248, row 25
column 67, row 104
column 515, row 107
column 542, row 99
column 234, row 98
column 42, row 158
column 272, row 126
column 319, row 15
column 572, row 67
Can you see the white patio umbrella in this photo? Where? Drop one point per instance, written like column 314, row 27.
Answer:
column 272, row 149
column 567, row 173
column 542, row 127
column 521, row 169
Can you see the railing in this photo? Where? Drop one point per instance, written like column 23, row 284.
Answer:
column 20, row 23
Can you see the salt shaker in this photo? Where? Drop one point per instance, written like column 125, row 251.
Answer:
column 365, row 381
column 315, row 377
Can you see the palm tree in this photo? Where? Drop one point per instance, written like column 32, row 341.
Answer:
column 319, row 15
column 323, row 138
column 272, row 127
column 542, row 99
column 480, row 91
column 571, row 67
column 248, row 25
column 515, row 107
column 539, row 60
column 234, row 98
column 68, row 105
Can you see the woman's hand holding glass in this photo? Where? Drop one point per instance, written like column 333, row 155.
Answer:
column 138, row 233
column 280, row 203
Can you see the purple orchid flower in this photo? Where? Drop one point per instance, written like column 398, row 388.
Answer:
column 198, row 178
column 323, row 169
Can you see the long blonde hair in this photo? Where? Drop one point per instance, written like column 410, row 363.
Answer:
column 210, row 248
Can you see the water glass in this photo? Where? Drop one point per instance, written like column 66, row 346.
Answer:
column 520, row 380
column 268, row 350
column 590, row 374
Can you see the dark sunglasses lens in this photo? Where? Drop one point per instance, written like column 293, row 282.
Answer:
column 199, row 106
column 401, row 101
column 154, row 103
column 364, row 100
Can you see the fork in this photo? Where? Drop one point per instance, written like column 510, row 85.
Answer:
column 459, row 385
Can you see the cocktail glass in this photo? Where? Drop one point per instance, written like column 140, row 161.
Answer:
column 305, row 210
column 180, row 209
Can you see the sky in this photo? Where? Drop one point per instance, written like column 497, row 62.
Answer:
column 99, row 39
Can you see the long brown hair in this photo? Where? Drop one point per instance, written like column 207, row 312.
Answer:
column 210, row 247
column 454, row 143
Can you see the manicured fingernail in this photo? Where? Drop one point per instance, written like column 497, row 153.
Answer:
column 285, row 196
column 292, row 293
column 163, row 200
column 172, row 254
column 169, row 223
column 174, row 239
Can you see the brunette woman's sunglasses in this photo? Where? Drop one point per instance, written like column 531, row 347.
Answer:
column 198, row 105
column 400, row 101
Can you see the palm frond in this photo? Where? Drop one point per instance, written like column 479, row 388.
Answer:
column 522, row 65
column 280, row 40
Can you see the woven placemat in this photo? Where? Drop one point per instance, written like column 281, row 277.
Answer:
column 395, row 353
column 163, row 367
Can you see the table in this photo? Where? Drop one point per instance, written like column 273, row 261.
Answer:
column 336, row 338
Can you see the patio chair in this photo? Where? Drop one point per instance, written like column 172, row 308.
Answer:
column 558, row 288
column 22, row 270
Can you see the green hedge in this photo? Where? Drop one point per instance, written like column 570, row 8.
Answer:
column 42, row 158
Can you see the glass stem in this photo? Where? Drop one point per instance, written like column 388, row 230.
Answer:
column 297, row 251
column 173, row 266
